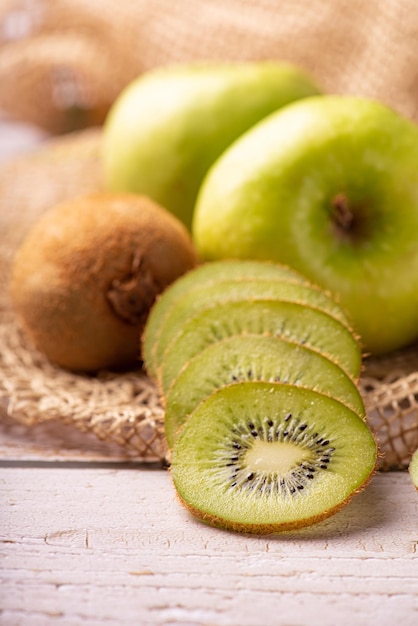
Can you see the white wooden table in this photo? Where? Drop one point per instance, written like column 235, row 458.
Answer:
column 88, row 538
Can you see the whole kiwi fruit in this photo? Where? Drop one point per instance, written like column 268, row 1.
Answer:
column 85, row 278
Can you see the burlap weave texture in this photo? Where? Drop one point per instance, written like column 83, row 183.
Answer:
column 63, row 62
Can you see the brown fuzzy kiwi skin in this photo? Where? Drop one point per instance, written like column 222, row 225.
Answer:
column 85, row 277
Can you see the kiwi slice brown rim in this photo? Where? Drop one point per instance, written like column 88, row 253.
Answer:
column 245, row 357
column 261, row 458
column 205, row 274
column 294, row 321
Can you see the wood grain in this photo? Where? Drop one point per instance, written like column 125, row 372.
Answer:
column 100, row 546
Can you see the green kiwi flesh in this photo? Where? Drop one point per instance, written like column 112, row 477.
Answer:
column 205, row 274
column 299, row 323
column 254, row 357
column 413, row 469
column 236, row 290
column 260, row 457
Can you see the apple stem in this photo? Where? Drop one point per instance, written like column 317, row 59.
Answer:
column 342, row 212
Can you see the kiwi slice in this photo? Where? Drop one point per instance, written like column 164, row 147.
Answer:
column 203, row 275
column 300, row 323
column 413, row 469
column 254, row 357
column 236, row 290
column 263, row 457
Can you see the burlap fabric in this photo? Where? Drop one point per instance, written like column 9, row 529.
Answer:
column 63, row 62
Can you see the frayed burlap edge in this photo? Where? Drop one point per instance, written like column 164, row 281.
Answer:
column 125, row 408
column 392, row 411
column 119, row 408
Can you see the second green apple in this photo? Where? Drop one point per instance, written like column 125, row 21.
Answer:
column 329, row 186
column 167, row 127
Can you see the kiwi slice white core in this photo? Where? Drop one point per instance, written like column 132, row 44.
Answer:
column 279, row 456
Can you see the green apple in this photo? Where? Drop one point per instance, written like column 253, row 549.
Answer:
column 329, row 186
column 168, row 126
column 413, row 469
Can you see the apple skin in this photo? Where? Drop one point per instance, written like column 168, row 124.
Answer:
column 329, row 186
column 168, row 126
column 413, row 469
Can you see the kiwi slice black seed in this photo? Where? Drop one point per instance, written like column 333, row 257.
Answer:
column 254, row 357
column 206, row 274
column 299, row 323
column 236, row 290
column 266, row 457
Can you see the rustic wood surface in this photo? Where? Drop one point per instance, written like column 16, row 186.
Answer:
column 95, row 539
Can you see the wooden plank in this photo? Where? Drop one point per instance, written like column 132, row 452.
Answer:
column 113, row 547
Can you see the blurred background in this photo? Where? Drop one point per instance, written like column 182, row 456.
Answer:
column 63, row 62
